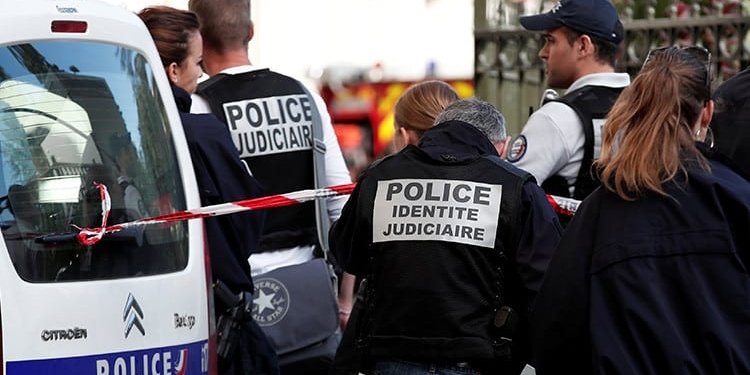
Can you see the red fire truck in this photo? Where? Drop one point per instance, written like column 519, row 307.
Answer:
column 362, row 113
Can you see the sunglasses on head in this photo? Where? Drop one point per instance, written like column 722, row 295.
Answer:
column 700, row 53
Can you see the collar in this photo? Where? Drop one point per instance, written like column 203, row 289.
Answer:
column 601, row 79
column 714, row 154
column 181, row 98
column 241, row 69
column 455, row 141
column 124, row 179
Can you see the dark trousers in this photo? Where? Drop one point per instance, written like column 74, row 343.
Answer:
column 255, row 355
column 349, row 359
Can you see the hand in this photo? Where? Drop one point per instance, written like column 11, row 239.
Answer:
column 344, row 318
column 346, row 298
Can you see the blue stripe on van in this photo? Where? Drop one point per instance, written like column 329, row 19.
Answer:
column 176, row 360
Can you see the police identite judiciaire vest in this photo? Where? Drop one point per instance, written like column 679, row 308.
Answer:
column 424, row 222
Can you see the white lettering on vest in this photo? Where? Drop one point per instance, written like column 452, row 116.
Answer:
column 270, row 125
column 436, row 210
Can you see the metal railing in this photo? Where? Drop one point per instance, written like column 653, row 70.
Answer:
column 509, row 73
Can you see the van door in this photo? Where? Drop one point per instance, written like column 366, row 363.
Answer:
column 81, row 108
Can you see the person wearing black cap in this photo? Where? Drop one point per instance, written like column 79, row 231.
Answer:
column 562, row 138
column 453, row 242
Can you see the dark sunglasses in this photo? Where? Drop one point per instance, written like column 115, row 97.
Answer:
column 698, row 52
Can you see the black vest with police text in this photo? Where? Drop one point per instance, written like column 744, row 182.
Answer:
column 440, row 296
column 270, row 117
column 589, row 103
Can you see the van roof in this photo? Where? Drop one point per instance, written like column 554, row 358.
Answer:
column 25, row 21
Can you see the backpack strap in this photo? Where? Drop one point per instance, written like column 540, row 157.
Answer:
column 589, row 103
column 322, row 223
column 319, row 153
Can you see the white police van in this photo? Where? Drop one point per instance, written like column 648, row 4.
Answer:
column 84, row 101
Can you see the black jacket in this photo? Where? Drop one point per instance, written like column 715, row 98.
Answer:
column 653, row 286
column 222, row 178
column 441, row 253
column 731, row 121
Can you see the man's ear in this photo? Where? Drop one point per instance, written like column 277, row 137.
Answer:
column 251, row 32
column 502, row 147
column 585, row 45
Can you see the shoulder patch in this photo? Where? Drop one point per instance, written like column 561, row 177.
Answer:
column 517, row 149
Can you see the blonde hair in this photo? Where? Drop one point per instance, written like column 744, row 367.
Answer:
column 421, row 103
column 651, row 125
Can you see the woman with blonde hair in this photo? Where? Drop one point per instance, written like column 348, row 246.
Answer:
column 415, row 111
column 651, row 275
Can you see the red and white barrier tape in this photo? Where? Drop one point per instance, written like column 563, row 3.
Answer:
column 90, row 236
column 563, row 206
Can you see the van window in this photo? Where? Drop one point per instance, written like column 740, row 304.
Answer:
column 73, row 114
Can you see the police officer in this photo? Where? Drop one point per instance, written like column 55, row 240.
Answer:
column 651, row 275
column 562, row 138
column 453, row 243
column 270, row 117
column 242, row 348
